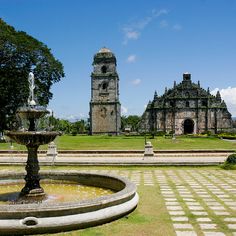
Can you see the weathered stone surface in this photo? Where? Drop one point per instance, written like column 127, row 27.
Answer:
column 177, row 213
column 203, row 219
column 183, row 226
column 180, row 218
column 208, row 226
column 230, row 219
column 186, row 108
column 185, row 233
column 232, row 226
column 199, row 213
column 214, row 234
column 174, row 208
column 105, row 108
column 196, row 208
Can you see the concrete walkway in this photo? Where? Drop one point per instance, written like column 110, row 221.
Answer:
column 122, row 158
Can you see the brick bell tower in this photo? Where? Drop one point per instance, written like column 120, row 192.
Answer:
column 105, row 115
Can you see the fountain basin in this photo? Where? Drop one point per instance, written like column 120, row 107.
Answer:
column 41, row 218
column 32, row 112
column 34, row 138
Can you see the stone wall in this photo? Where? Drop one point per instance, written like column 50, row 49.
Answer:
column 105, row 118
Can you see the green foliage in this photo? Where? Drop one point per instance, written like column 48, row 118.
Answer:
column 80, row 127
column 74, row 132
column 227, row 135
column 160, row 133
column 231, row 159
column 227, row 166
column 20, row 54
column 64, row 126
column 130, row 121
column 207, row 132
column 67, row 127
column 230, row 163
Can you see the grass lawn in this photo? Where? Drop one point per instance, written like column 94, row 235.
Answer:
column 151, row 217
column 105, row 142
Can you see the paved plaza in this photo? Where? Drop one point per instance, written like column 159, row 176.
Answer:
column 198, row 201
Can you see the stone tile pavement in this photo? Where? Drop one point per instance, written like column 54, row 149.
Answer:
column 199, row 202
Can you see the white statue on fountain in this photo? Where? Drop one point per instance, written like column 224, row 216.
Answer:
column 31, row 100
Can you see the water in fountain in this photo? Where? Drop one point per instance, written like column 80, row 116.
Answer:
column 10, row 192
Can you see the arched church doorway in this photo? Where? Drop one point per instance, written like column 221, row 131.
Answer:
column 188, row 126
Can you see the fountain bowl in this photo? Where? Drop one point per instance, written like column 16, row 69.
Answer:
column 24, row 219
column 32, row 112
column 35, row 138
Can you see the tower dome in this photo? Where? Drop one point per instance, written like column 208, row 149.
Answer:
column 104, row 50
column 104, row 55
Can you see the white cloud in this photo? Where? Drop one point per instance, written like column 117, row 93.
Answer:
column 73, row 118
column 131, row 34
column 229, row 96
column 177, row 27
column 136, row 81
column 133, row 30
column 124, row 110
column 163, row 24
column 157, row 13
column 131, row 58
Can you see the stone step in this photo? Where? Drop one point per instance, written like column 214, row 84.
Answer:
column 129, row 161
column 121, row 155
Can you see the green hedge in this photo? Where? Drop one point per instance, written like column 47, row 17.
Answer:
column 231, row 159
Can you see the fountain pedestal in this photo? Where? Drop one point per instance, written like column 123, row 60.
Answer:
column 32, row 186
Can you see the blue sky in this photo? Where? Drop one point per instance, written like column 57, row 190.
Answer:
column 155, row 42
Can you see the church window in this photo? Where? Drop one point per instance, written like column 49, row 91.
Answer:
column 204, row 103
column 187, row 103
column 104, row 69
column 104, row 86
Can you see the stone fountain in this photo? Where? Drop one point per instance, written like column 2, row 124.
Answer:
column 32, row 139
column 32, row 213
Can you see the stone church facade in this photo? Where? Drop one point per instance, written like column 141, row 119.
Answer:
column 186, row 109
column 105, row 108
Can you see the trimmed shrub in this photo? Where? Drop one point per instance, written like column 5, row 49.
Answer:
column 207, row 132
column 227, row 136
column 230, row 163
column 231, row 159
column 160, row 133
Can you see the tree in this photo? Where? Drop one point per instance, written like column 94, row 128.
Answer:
column 19, row 54
column 64, row 126
column 131, row 121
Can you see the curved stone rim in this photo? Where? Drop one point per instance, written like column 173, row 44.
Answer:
column 58, row 217
column 35, row 138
